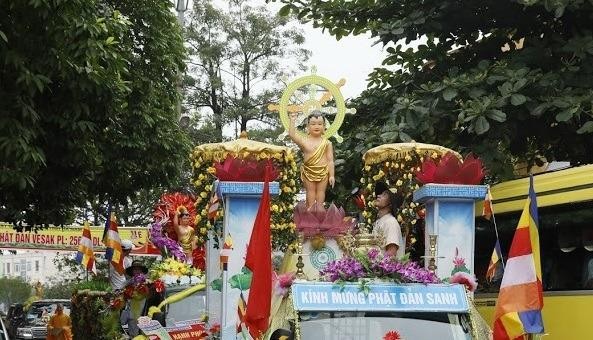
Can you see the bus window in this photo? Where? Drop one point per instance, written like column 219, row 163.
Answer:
column 566, row 246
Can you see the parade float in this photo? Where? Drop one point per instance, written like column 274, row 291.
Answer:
column 335, row 281
column 365, row 294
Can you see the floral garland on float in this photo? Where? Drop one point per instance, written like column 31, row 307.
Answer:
column 396, row 165
column 239, row 160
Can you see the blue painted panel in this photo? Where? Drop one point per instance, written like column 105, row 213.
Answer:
column 431, row 191
column 381, row 297
column 246, row 188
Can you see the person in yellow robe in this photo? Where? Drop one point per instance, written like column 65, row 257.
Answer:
column 60, row 325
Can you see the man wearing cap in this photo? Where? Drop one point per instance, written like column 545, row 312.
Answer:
column 117, row 280
column 388, row 202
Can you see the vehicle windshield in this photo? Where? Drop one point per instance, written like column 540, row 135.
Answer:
column 191, row 308
column 39, row 313
column 373, row 325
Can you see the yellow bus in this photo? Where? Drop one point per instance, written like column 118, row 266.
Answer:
column 565, row 206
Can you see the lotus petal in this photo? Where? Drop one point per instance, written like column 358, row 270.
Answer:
column 426, row 174
column 448, row 168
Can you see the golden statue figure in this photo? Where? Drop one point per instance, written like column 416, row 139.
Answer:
column 39, row 290
column 186, row 235
column 318, row 157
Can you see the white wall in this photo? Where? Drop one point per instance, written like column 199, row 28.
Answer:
column 32, row 266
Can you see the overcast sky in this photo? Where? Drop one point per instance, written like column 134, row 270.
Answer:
column 352, row 58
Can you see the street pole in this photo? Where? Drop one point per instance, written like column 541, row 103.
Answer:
column 181, row 6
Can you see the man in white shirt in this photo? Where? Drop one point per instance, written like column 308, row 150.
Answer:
column 117, row 280
column 388, row 202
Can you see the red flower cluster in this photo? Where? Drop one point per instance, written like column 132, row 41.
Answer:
column 117, row 303
column 159, row 286
column 199, row 258
column 243, row 170
column 392, row 335
column 141, row 289
column 450, row 170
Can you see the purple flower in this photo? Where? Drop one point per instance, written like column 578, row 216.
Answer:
column 374, row 265
column 138, row 279
column 164, row 243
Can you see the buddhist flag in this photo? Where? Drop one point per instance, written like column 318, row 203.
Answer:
column 259, row 261
column 487, row 209
column 85, row 255
column 495, row 266
column 520, row 300
column 113, row 251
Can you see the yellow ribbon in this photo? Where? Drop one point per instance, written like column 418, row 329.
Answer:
column 176, row 297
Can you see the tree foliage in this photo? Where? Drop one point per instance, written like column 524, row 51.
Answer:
column 236, row 59
column 14, row 290
column 87, row 104
column 509, row 80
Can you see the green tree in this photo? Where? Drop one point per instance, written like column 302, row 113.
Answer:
column 236, row 59
column 87, row 104
column 14, row 290
column 511, row 81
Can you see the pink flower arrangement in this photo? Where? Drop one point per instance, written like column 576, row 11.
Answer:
column 466, row 279
column 283, row 283
column 316, row 220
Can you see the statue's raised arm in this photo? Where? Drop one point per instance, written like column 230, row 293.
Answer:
column 300, row 103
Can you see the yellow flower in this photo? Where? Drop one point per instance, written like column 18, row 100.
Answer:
column 387, row 164
column 199, row 200
column 414, row 221
column 274, row 207
column 211, row 170
column 399, row 183
column 367, row 167
column 434, row 155
column 408, row 158
column 203, row 194
column 198, row 183
column 201, row 176
column 362, row 180
column 400, row 219
column 396, row 165
column 369, row 186
column 197, row 219
column 292, row 183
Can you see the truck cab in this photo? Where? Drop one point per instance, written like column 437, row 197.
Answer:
column 379, row 311
column 37, row 316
